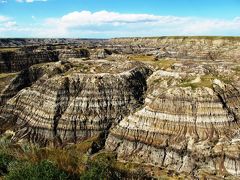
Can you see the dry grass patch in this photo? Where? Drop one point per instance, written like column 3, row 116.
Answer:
column 8, row 49
column 141, row 58
column 206, row 81
column 164, row 63
column 5, row 79
column 7, row 75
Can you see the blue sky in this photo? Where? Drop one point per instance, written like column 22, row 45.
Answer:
column 118, row 18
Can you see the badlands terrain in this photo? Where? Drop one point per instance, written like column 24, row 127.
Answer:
column 170, row 105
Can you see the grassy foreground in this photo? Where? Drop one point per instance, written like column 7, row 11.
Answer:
column 29, row 162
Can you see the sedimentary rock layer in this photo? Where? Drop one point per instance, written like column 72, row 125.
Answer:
column 182, row 128
column 20, row 60
column 73, row 53
column 77, row 102
column 207, row 48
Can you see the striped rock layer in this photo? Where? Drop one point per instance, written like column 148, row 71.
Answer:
column 72, row 103
column 20, row 60
column 183, row 129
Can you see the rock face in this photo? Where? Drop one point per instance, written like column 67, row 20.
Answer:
column 101, row 54
column 71, row 103
column 171, row 102
column 19, row 60
column 72, row 53
column 182, row 128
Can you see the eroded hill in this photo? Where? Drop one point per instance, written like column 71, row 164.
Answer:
column 170, row 102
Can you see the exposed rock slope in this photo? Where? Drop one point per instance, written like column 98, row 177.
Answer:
column 19, row 60
column 206, row 48
column 73, row 53
column 183, row 116
column 183, row 126
column 76, row 100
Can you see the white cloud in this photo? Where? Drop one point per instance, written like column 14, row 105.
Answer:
column 84, row 18
column 9, row 24
column 121, row 24
column 30, row 1
column 113, row 24
column 4, row 18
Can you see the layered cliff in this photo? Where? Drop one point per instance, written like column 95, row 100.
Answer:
column 189, row 122
column 169, row 102
column 73, row 53
column 13, row 61
column 75, row 100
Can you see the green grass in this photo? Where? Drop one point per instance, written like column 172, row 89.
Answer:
column 28, row 161
column 236, row 69
column 44, row 170
column 7, row 75
column 81, row 68
column 164, row 63
column 141, row 58
column 5, row 79
column 206, row 81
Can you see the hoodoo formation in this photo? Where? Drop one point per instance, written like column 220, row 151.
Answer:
column 168, row 102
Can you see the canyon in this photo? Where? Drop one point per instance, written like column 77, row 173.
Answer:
column 164, row 102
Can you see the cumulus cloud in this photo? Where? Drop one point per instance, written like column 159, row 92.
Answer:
column 84, row 18
column 120, row 24
column 30, row 1
column 113, row 24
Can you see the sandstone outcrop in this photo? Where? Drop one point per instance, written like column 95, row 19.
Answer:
column 183, row 126
column 75, row 100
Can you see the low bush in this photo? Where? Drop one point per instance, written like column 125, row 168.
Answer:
column 45, row 170
column 5, row 160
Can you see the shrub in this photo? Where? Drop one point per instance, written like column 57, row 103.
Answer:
column 45, row 170
column 5, row 160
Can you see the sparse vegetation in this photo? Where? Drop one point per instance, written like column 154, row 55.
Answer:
column 44, row 170
column 164, row 63
column 26, row 161
column 5, row 79
column 5, row 160
column 237, row 69
column 141, row 58
column 8, row 49
column 205, row 81
column 7, row 75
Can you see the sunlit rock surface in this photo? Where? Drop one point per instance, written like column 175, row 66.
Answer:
column 75, row 100
column 168, row 102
